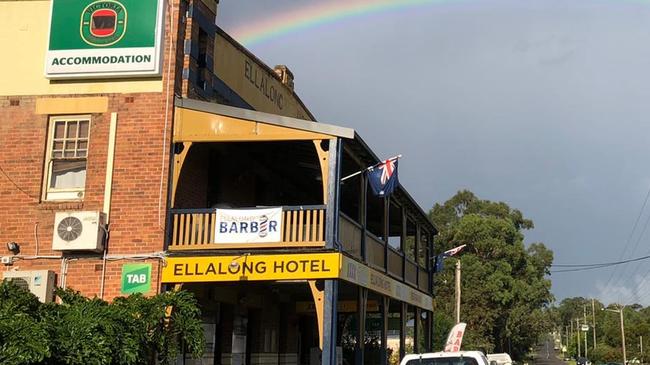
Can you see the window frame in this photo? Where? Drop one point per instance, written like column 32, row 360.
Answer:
column 63, row 194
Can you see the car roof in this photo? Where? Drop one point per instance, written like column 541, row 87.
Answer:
column 442, row 354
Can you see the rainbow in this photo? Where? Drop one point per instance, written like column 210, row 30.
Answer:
column 317, row 15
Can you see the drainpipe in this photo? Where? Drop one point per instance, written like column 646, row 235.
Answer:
column 108, row 188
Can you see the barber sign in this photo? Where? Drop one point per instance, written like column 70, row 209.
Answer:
column 248, row 225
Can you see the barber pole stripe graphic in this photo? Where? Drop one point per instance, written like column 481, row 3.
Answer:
column 264, row 226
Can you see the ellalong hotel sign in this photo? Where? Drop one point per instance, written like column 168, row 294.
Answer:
column 104, row 38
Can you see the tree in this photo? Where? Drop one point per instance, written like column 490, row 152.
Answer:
column 132, row 330
column 608, row 329
column 504, row 283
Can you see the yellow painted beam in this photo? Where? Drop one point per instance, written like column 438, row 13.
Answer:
column 83, row 105
column 197, row 126
column 323, row 160
column 179, row 160
column 319, row 304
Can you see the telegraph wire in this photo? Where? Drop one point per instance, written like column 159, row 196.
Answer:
column 622, row 275
column 629, row 238
column 580, row 269
column 636, row 291
column 16, row 185
column 603, row 263
column 583, row 267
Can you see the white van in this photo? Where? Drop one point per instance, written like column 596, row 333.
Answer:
column 499, row 359
column 446, row 358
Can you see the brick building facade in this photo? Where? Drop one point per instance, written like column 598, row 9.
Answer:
column 162, row 155
column 139, row 182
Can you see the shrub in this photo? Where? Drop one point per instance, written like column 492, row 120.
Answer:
column 132, row 330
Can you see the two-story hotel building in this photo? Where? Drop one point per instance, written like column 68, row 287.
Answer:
column 146, row 150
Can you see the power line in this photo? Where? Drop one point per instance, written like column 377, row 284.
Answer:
column 638, row 287
column 580, row 269
column 622, row 275
column 583, row 267
column 603, row 263
column 16, row 185
column 629, row 238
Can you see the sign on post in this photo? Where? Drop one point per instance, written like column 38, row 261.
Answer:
column 136, row 278
column 584, row 328
column 104, row 38
column 455, row 337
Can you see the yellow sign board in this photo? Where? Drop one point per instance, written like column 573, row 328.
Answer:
column 254, row 83
column 360, row 274
column 252, row 267
column 290, row 267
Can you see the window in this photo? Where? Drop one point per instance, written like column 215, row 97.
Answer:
column 423, row 249
column 411, row 234
column 67, row 152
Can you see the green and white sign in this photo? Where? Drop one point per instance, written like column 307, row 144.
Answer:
column 104, row 38
column 136, row 278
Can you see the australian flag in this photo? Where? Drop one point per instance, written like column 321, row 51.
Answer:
column 383, row 178
column 440, row 259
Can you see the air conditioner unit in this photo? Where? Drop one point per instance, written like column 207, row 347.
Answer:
column 39, row 282
column 79, row 231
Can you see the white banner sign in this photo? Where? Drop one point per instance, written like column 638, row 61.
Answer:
column 248, row 225
column 455, row 338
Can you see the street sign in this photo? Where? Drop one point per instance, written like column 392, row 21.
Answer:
column 584, row 328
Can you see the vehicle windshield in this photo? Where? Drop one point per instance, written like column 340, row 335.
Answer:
column 443, row 361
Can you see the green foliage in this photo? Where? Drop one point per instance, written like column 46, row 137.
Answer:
column 505, row 291
column 132, row 330
column 608, row 329
column 21, row 328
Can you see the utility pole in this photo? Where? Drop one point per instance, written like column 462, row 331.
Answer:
column 570, row 338
column 578, row 334
column 593, row 319
column 620, row 310
column 584, row 315
column 458, row 291
column 641, row 346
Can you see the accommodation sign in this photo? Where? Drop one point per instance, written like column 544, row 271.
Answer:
column 248, row 225
column 251, row 267
column 104, row 38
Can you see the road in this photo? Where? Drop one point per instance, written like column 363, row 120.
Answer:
column 546, row 355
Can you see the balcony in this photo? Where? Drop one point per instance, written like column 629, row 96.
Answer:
column 382, row 256
column 195, row 229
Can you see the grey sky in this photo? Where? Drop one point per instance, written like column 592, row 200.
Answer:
column 541, row 104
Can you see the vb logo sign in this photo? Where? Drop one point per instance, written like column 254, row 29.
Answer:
column 103, row 23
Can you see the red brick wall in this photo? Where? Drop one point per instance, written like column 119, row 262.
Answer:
column 138, row 209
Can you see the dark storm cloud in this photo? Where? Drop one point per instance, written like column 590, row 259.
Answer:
column 542, row 104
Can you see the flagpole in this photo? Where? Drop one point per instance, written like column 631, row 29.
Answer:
column 458, row 291
column 370, row 167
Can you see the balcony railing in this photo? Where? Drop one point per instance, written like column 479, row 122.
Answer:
column 194, row 229
column 399, row 265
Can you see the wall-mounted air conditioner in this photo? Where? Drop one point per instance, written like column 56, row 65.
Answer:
column 79, row 231
column 39, row 282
